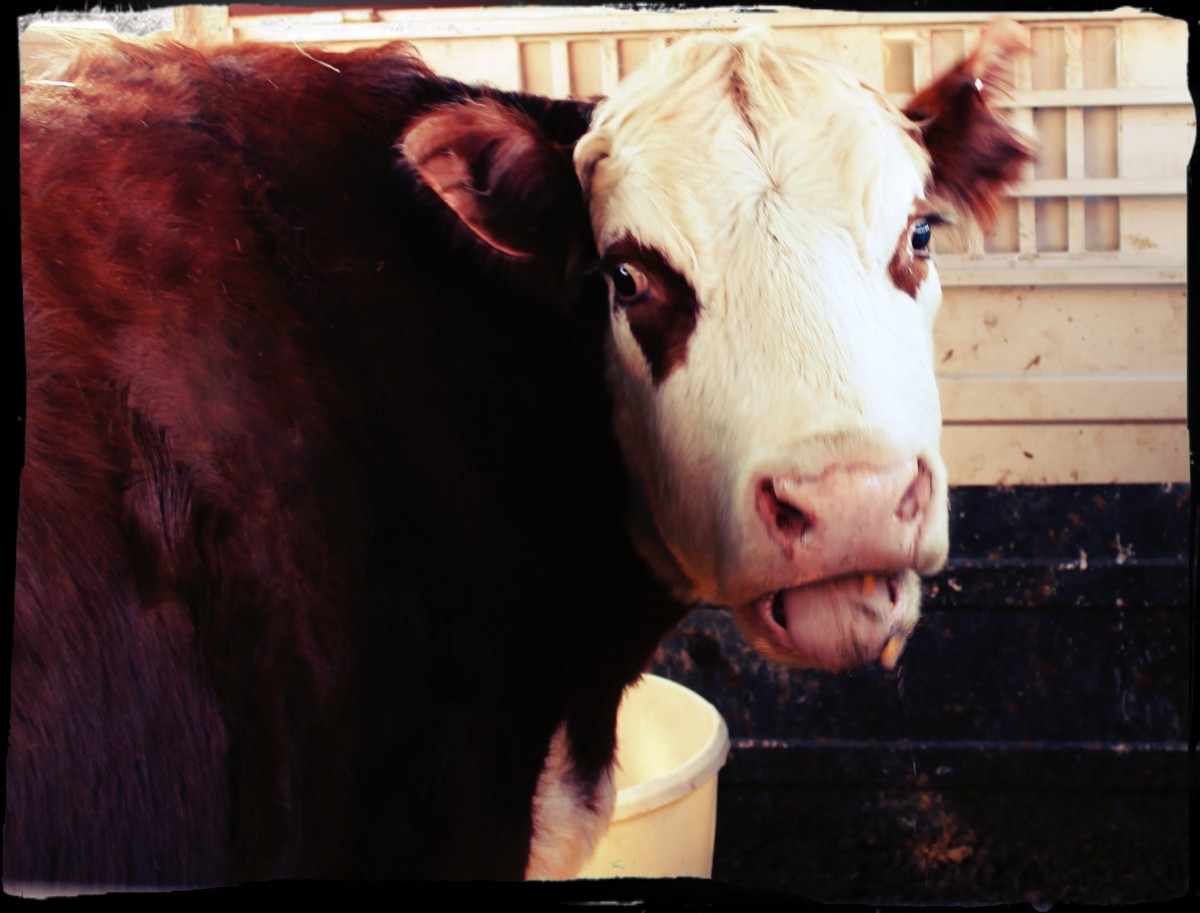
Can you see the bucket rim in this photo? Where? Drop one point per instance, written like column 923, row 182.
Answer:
column 688, row 776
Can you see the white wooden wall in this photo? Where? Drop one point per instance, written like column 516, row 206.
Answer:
column 1062, row 340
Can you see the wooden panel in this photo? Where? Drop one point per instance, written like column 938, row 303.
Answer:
column 1076, row 226
column 1061, row 345
column 1156, row 140
column 632, row 53
column 898, row 72
column 1064, row 398
column 202, row 25
column 534, row 20
column 1099, row 54
column 1050, row 128
column 1102, row 224
column 1154, row 52
column 1155, row 227
column 1123, row 96
column 494, row 60
column 560, row 68
column 1158, row 186
column 1060, row 454
column 1047, row 67
column 1004, row 235
column 845, row 44
column 584, row 65
column 1061, row 331
column 610, row 66
column 535, row 67
column 1027, row 222
column 1051, row 216
column 1100, row 133
column 947, row 47
column 959, row 272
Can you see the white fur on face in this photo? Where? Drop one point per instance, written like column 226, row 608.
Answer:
column 777, row 186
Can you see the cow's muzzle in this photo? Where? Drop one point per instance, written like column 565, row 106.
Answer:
column 849, row 547
column 836, row 624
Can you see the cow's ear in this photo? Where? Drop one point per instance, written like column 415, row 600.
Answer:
column 505, row 180
column 975, row 155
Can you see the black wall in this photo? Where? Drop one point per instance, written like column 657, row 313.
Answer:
column 1031, row 745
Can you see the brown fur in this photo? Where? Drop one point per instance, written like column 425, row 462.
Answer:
column 976, row 156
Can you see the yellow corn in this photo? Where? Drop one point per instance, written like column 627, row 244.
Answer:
column 891, row 652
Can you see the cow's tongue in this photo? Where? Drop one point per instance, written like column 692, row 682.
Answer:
column 840, row 623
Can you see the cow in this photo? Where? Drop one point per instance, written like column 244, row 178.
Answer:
column 378, row 426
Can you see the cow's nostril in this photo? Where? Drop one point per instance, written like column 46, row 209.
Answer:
column 791, row 519
column 919, row 493
column 788, row 518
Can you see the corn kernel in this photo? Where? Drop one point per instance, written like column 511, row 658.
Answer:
column 891, row 652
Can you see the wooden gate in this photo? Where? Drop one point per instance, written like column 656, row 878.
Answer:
column 1062, row 338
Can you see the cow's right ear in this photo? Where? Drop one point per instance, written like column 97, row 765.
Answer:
column 504, row 179
column 975, row 155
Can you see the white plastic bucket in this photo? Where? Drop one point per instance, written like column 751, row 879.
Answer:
column 671, row 743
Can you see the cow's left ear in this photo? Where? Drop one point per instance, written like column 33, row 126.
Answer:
column 975, row 155
column 501, row 175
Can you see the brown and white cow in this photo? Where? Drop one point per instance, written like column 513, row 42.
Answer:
column 354, row 496
column 764, row 219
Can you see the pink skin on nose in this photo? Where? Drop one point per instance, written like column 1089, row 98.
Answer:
column 848, row 519
column 849, row 538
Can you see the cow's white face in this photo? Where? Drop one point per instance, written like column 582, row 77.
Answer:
column 762, row 221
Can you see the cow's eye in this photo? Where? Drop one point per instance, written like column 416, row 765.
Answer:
column 629, row 282
column 922, row 234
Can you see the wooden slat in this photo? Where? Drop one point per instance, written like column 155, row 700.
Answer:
column 202, row 25
column 499, row 61
column 535, row 67
column 947, row 46
column 532, row 20
column 962, row 272
column 1099, row 56
column 1066, row 454
column 1101, row 187
column 1076, row 226
column 610, row 65
column 1022, row 119
column 560, row 69
column 1064, row 398
column 632, row 53
column 1073, row 59
column 1094, row 98
column 584, row 65
column 1027, row 220
column 1064, row 330
column 903, row 57
column 1057, row 363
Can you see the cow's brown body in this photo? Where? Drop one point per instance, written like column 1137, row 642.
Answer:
column 323, row 542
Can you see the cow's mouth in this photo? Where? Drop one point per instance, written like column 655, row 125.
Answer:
column 836, row 623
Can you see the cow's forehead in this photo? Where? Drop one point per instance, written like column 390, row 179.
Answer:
column 718, row 131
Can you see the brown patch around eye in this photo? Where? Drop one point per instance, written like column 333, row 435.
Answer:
column 909, row 267
column 663, row 315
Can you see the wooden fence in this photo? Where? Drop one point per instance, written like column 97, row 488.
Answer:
column 1062, row 341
